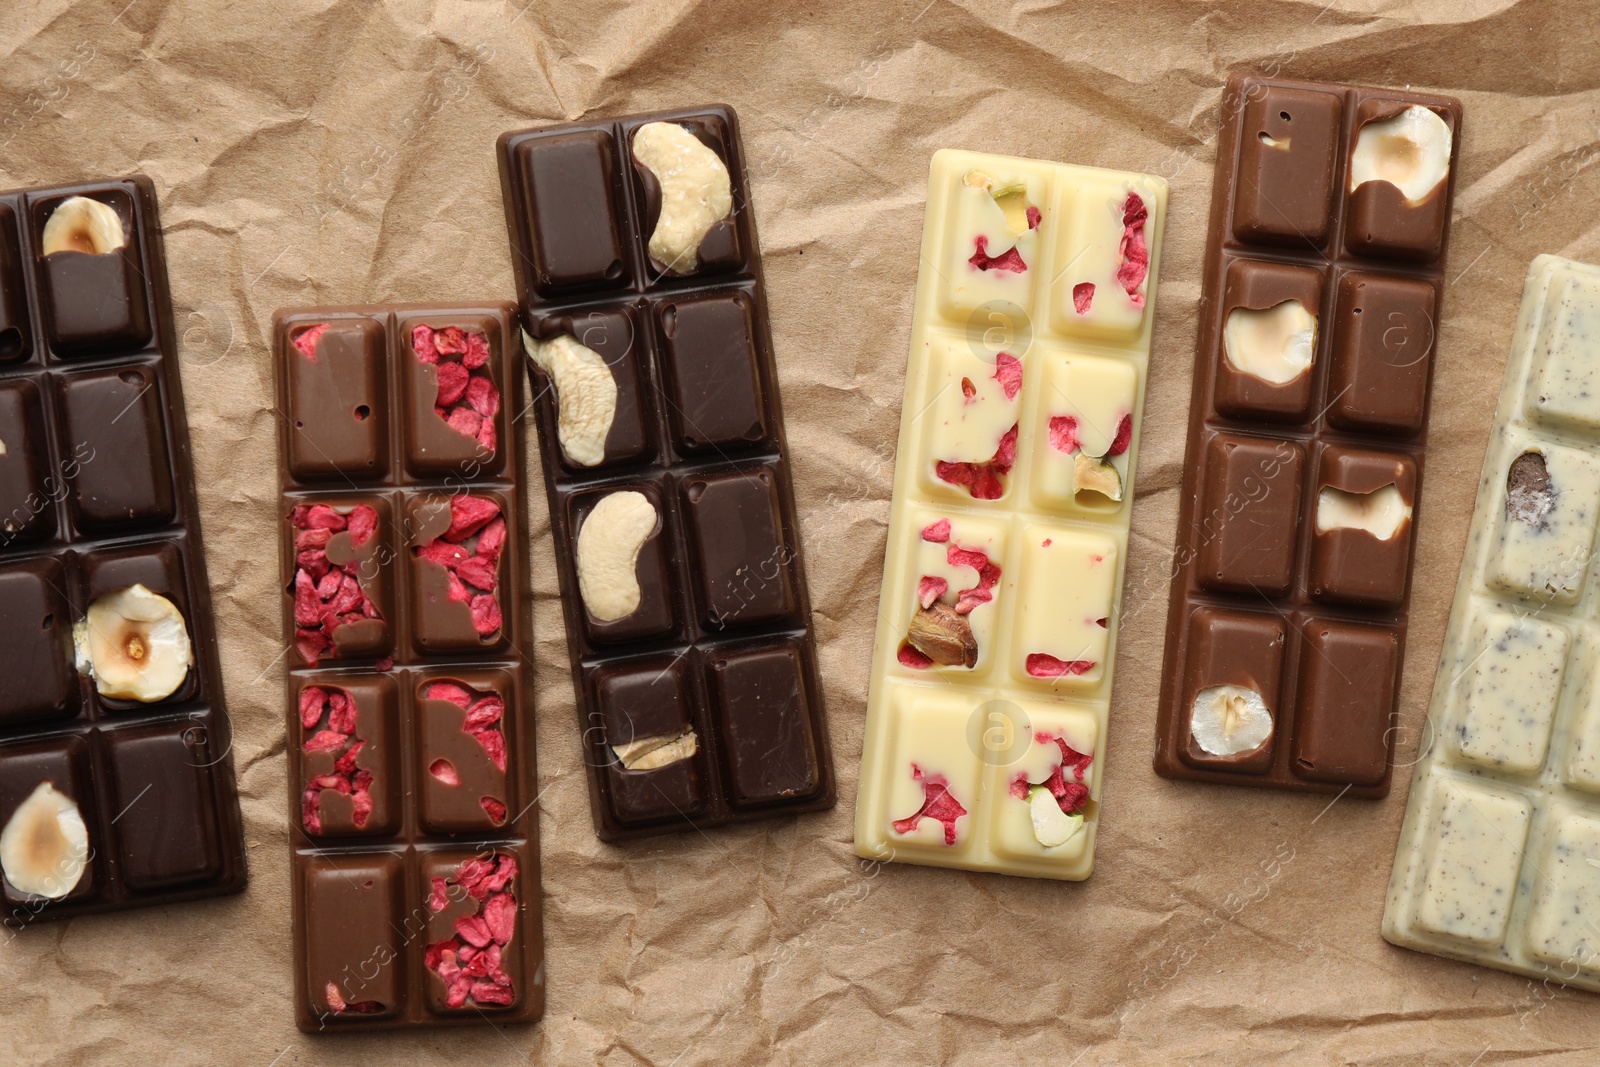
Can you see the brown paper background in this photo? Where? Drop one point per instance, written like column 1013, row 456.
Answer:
column 342, row 150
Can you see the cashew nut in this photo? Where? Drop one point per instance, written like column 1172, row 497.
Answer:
column 608, row 553
column 695, row 192
column 586, row 392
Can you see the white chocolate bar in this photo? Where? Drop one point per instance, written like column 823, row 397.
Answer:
column 1499, row 855
column 1009, row 527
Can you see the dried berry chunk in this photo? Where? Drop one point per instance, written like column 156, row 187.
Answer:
column 1133, row 255
column 1043, row 665
column 334, row 710
column 1082, row 297
column 468, row 399
column 327, row 595
column 983, row 480
column 471, row 964
column 306, row 340
column 1070, row 796
column 937, row 803
column 485, row 712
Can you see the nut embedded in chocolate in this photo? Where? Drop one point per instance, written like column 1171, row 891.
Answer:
column 1381, row 513
column 649, row 753
column 696, row 192
column 944, row 636
column 1230, row 720
column 1410, row 151
column 44, row 848
column 1529, row 492
column 586, row 395
column 82, row 224
column 608, row 554
column 135, row 645
column 1275, row 345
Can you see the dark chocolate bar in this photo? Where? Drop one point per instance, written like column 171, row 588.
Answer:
column 411, row 775
column 1287, row 622
column 116, row 778
column 656, row 400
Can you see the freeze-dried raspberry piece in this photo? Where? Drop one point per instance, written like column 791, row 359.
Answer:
column 1082, row 297
column 307, row 604
column 492, row 539
column 422, row 344
column 459, row 593
column 472, row 874
column 322, row 517
column 468, row 515
column 1064, row 433
column 988, row 577
column 485, row 712
column 445, row 771
column 312, row 703
column 1008, row 372
column 500, row 915
column 486, row 615
column 913, row 658
column 937, row 532
column 930, row 589
column 348, row 598
column 1009, row 260
column 346, row 763
column 310, row 813
column 477, row 353
column 982, row 480
column 306, row 340
column 1124, row 437
column 1042, row 665
column 360, row 807
column 494, row 743
column 341, row 712
column 478, row 573
column 486, row 436
column 473, row 930
column 1132, row 254
column 1071, row 757
column 311, row 644
column 937, row 804
column 363, row 524
column 450, row 691
column 437, row 901
column 444, row 554
column 484, row 397
column 312, row 539
column 465, row 421
column 327, row 741
column 494, row 809
column 453, row 379
column 491, row 993
column 451, row 341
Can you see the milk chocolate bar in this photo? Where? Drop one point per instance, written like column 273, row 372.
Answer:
column 116, row 775
column 656, row 401
column 1008, row 534
column 1496, row 858
column 411, row 768
column 1287, row 621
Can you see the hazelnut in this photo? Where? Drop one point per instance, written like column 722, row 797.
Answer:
column 695, row 192
column 608, row 554
column 79, row 224
column 1410, row 151
column 586, row 395
column 1381, row 513
column 1275, row 345
column 44, row 848
column 1230, row 720
column 135, row 645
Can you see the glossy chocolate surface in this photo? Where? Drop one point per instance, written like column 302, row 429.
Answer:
column 403, row 788
column 721, row 640
column 96, row 495
column 1313, row 620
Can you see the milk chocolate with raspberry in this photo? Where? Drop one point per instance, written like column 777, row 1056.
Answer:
column 700, row 704
column 97, row 495
column 1296, row 527
column 413, row 822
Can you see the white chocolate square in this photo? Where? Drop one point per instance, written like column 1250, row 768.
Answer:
column 1470, row 867
column 973, row 218
column 1565, row 384
column 1563, row 926
column 965, row 415
column 1011, row 825
column 1071, row 577
column 1510, row 692
column 1548, row 561
column 931, row 559
column 1087, row 249
column 929, row 729
column 1095, row 393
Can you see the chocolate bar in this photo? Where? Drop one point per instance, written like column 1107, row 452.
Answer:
column 656, row 400
column 116, row 775
column 1495, row 863
column 1008, row 533
column 1291, row 583
column 411, row 771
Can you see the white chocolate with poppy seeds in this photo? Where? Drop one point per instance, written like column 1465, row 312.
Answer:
column 992, row 671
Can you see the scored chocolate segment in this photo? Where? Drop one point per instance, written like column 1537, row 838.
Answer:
column 405, row 604
column 99, row 541
column 1307, row 432
column 655, row 397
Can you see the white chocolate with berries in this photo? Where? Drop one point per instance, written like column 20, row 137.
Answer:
column 996, row 639
column 1496, row 862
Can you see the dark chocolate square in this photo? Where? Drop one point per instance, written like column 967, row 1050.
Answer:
column 759, row 698
column 619, row 337
column 721, row 250
column 712, row 372
column 649, row 699
column 1250, row 514
column 743, row 558
column 95, row 304
column 28, row 488
column 166, row 821
column 116, row 431
column 36, row 630
column 16, row 336
column 570, row 189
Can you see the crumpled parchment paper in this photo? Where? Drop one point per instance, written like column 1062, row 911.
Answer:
column 342, row 150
